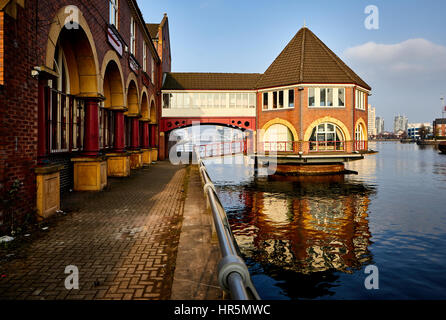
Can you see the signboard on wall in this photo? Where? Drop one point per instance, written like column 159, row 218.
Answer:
column 114, row 41
column 134, row 65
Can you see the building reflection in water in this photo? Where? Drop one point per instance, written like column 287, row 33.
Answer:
column 302, row 227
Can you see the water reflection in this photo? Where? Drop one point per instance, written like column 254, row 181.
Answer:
column 304, row 237
column 302, row 226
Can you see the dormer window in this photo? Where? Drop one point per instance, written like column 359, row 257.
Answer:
column 114, row 12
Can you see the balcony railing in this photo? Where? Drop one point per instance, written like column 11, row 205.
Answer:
column 294, row 147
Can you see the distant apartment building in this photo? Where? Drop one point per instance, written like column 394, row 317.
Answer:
column 372, row 121
column 400, row 124
column 413, row 129
column 379, row 125
column 439, row 127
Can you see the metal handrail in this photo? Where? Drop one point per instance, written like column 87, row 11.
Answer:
column 233, row 274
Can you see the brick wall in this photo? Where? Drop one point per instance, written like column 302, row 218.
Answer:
column 25, row 45
column 18, row 112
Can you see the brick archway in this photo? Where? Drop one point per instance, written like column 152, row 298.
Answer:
column 319, row 121
column 364, row 127
column 112, row 78
column 282, row 122
column 132, row 90
column 83, row 61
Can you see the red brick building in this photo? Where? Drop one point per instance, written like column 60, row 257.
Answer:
column 79, row 97
column 307, row 101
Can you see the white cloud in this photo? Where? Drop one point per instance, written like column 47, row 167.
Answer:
column 406, row 78
column 410, row 56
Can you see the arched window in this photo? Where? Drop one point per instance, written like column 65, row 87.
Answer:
column 327, row 137
column 359, row 137
column 278, row 137
column 66, row 115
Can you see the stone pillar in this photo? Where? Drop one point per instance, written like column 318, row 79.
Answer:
column 91, row 135
column 118, row 162
column 145, row 145
column 90, row 170
column 119, row 131
column 135, row 151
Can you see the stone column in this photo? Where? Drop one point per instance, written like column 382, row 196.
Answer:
column 90, row 170
column 91, row 135
column 119, row 132
column 118, row 162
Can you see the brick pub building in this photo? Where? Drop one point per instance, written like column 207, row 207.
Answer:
column 79, row 98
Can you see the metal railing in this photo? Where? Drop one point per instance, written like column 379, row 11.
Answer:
column 233, row 274
column 294, row 147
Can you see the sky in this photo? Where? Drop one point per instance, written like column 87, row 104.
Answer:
column 404, row 60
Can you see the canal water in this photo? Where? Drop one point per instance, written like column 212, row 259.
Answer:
column 313, row 237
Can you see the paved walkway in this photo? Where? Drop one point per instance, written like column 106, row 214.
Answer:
column 123, row 241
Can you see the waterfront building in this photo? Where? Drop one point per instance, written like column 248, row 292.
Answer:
column 79, row 97
column 372, row 121
column 439, row 128
column 82, row 85
column 413, row 129
column 400, row 124
column 379, row 124
column 307, row 101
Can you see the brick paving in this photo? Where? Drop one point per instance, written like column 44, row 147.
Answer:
column 124, row 242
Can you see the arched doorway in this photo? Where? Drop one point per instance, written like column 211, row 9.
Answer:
column 114, row 102
column 327, row 137
column 360, row 137
column 69, row 99
column 131, row 117
column 278, row 137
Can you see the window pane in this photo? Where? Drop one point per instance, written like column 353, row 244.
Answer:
column 223, row 99
column 330, row 128
column 252, row 100
column 323, row 96
column 245, row 100
column 329, row 97
column 275, row 100
column 239, row 100
column 232, row 100
column 173, row 103
column 187, row 100
column 195, row 101
column 210, row 100
column 265, row 100
column 311, row 98
column 179, row 100
column 280, row 99
column 216, row 97
column 291, row 98
column 341, row 97
column 166, row 101
column 321, row 128
column 203, row 100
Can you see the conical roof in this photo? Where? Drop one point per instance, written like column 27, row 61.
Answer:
column 306, row 59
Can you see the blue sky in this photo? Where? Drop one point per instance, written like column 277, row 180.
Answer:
column 404, row 60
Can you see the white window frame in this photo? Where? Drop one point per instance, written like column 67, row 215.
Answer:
column 270, row 94
column 360, row 100
column 144, row 57
column 132, row 36
column 114, row 13
column 317, row 98
column 152, row 71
